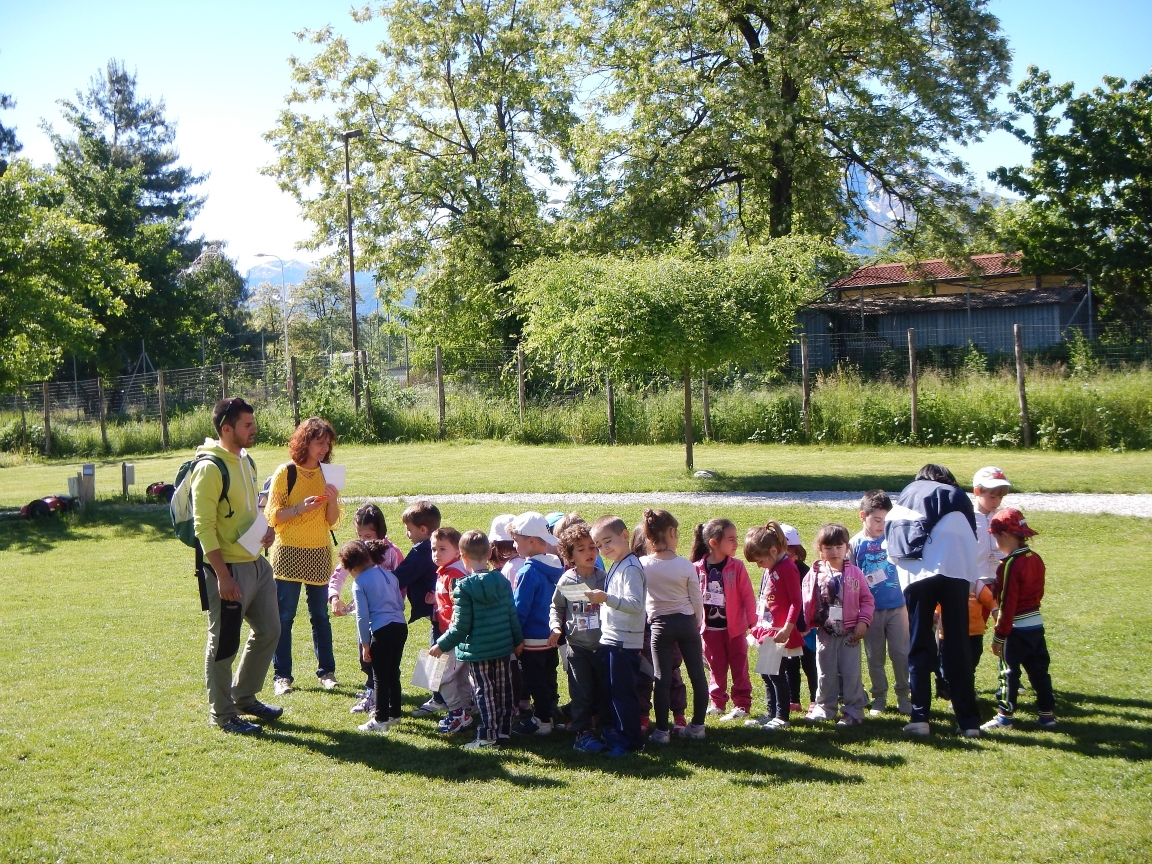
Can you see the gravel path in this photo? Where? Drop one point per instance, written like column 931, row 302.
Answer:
column 1057, row 502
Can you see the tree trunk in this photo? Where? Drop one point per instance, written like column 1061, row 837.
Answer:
column 688, row 416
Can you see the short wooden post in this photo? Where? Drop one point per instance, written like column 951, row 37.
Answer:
column 47, row 420
column 1025, row 425
column 805, row 391
column 440, row 390
column 103, row 421
column 367, row 388
column 223, row 380
column 292, row 392
column 520, row 379
column 127, row 477
column 611, row 410
column 707, row 409
column 913, row 382
column 160, row 397
column 407, row 364
column 688, row 416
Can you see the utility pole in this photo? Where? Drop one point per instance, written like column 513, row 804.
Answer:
column 348, row 135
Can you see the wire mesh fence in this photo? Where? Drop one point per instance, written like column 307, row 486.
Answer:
column 502, row 394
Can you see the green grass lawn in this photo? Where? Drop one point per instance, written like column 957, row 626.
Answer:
column 455, row 467
column 106, row 755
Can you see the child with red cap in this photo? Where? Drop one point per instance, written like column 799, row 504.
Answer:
column 1019, row 637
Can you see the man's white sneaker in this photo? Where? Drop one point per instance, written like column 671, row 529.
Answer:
column 734, row 714
column 280, row 686
column 917, row 728
column 374, row 725
column 329, row 682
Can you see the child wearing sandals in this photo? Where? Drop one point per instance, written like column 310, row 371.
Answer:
column 777, row 631
column 839, row 605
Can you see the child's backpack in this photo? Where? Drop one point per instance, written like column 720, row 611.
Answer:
column 180, row 509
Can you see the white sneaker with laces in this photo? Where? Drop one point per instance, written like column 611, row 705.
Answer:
column 374, row 725
column 329, row 682
column 757, row 722
column 280, row 686
column 713, row 711
column 734, row 714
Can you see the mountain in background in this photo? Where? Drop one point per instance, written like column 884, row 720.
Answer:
column 296, row 272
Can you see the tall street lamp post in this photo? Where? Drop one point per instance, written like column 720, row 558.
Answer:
column 348, row 135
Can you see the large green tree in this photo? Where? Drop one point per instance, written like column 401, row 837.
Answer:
column 1088, row 187
column 465, row 107
column 59, row 277
column 120, row 165
column 8, row 142
column 762, row 117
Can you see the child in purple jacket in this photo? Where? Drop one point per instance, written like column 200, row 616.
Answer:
column 838, row 605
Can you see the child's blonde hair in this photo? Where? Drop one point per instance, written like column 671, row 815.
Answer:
column 762, row 541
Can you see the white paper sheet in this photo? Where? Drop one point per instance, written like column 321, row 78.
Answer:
column 574, row 593
column 253, row 538
column 336, row 475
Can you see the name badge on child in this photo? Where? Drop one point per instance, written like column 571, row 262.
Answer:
column 714, row 598
column 591, row 621
column 835, row 613
column 761, row 608
column 876, row 577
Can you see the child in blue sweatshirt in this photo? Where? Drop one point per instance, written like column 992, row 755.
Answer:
column 535, row 584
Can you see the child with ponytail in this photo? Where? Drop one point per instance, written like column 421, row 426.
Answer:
column 778, row 629
column 729, row 611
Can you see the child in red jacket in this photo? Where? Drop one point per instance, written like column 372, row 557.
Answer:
column 729, row 612
column 778, row 612
column 1019, row 635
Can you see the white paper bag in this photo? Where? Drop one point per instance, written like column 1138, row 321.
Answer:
column 429, row 670
column 253, row 538
column 335, row 475
column 769, row 656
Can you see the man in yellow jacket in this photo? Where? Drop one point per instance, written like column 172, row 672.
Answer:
column 239, row 584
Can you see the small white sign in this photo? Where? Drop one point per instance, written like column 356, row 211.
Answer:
column 335, row 475
column 253, row 538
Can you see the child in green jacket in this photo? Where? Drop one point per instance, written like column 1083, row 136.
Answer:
column 485, row 630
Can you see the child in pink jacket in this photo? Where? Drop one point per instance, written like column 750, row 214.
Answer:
column 838, row 605
column 729, row 612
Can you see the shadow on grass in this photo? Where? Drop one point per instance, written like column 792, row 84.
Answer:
column 149, row 523
column 843, row 480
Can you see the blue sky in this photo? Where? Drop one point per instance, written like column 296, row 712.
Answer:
column 221, row 69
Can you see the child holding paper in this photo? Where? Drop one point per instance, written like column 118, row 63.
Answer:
column 484, row 631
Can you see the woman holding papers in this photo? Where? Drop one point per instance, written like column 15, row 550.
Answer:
column 303, row 507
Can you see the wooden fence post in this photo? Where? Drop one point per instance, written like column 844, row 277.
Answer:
column 160, row 397
column 23, row 424
column 223, row 380
column 913, row 383
column 440, row 390
column 103, row 420
column 292, row 392
column 1025, row 426
column 520, row 379
column 47, row 421
column 706, row 407
column 611, row 411
column 805, row 390
column 688, row 416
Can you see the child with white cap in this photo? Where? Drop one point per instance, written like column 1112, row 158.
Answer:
column 989, row 487
column 535, row 584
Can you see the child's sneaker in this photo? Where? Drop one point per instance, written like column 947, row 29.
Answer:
column 679, row 722
column 736, row 713
column 714, row 711
column 691, row 731
column 775, row 723
column 845, row 720
column 815, row 714
column 454, row 722
column 757, row 722
column 999, row 723
column 429, row 709
column 366, row 704
column 374, row 725
column 1046, row 721
column 586, row 742
column 921, row 728
column 660, row 736
column 532, row 726
column 280, row 686
column 482, row 744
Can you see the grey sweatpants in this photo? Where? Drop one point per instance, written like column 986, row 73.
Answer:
column 454, row 685
column 889, row 627
column 258, row 606
column 840, row 680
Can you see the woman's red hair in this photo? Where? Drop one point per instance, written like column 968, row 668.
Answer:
column 312, row 429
